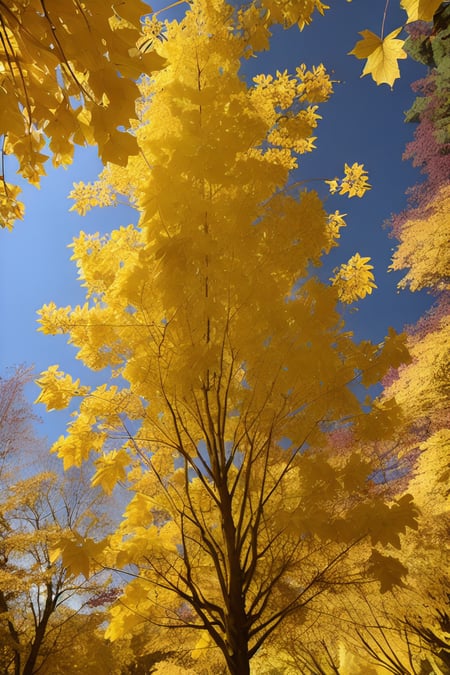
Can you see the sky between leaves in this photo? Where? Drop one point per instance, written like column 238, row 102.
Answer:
column 361, row 123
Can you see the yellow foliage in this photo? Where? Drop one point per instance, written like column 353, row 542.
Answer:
column 316, row 86
column 57, row 92
column 425, row 246
column 232, row 397
column 291, row 12
column 382, row 55
column 78, row 553
column 203, row 643
column 110, row 470
column 58, row 388
column 426, row 375
column 431, row 481
column 335, row 223
column 420, row 10
column 354, row 184
column 10, row 208
column 354, row 279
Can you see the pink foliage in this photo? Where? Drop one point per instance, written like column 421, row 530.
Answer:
column 418, row 29
column 431, row 320
column 425, row 152
column 432, row 157
column 104, row 597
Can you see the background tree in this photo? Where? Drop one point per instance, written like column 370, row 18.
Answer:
column 17, row 419
column 39, row 598
column 234, row 359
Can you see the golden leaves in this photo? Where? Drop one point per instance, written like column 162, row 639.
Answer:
column 382, row 55
column 55, row 58
column 58, row 388
column 77, row 553
column 420, row 10
column 217, row 375
column 11, row 208
column 316, row 86
column 354, row 279
column 110, row 470
column 425, row 245
column 354, row 184
column 291, row 12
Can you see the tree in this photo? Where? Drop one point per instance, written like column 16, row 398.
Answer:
column 231, row 358
column 39, row 598
column 17, row 434
column 54, row 95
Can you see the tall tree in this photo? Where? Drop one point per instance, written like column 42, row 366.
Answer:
column 232, row 360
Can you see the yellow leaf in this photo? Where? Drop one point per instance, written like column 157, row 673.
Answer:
column 387, row 569
column 110, row 470
column 382, row 55
column 77, row 553
column 354, row 279
column 420, row 10
column 58, row 389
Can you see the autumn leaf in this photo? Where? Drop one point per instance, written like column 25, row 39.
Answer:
column 77, row 553
column 420, row 10
column 110, row 470
column 388, row 570
column 354, row 279
column 382, row 55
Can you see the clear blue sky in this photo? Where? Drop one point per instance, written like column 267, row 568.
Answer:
column 362, row 123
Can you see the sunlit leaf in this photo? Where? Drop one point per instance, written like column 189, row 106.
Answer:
column 382, row 55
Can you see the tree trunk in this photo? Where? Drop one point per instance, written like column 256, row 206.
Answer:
column 238, row 660
column 39, row 635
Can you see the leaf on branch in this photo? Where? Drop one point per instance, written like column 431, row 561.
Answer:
column 387, row 569
column 354, row 279
column 58, row 388
column 382, row 56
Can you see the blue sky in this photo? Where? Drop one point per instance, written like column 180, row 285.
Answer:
column 362, row 123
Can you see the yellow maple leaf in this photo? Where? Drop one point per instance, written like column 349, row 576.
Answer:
column 110, row 470
column 382, row 55
column 420, row 10
column 77, row 554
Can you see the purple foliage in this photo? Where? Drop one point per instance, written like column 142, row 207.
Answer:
column 425, row 152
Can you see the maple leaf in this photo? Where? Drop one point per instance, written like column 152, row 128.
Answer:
column 110, row 470
column 77, row 553
column 420, row 10
column 382, row 55
column 387, row 569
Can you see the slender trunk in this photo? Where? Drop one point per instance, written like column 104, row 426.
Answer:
column 41, row 629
